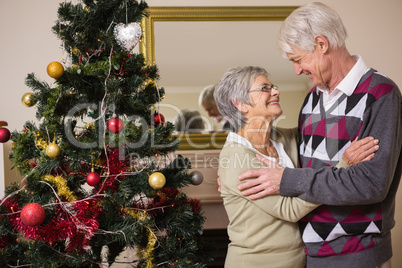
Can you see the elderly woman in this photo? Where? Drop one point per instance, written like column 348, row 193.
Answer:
column 263, row 232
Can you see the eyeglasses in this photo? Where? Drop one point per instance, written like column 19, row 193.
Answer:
column 264, row 88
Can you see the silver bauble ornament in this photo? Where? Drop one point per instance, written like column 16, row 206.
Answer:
column 196, row 177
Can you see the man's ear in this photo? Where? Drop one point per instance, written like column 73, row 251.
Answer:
column 322, row 43
column 240, row 106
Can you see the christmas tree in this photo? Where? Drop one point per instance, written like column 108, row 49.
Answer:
column 100, row 172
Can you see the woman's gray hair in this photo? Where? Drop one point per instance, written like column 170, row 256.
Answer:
column 234, row 86
column 188, row 121
column 303, row 24
column 207, row 95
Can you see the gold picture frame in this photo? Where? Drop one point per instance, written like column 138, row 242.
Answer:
column 230, row 13
column 196, row 13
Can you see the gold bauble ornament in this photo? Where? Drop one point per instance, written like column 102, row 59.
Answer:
column 76, row 51
column 157, row 180
column 28, row 99
column 53, row 150
column 55, row 69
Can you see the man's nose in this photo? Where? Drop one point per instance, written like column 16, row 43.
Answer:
column 297, row 68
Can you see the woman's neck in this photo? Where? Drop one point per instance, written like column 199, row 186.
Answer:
column 259, row 137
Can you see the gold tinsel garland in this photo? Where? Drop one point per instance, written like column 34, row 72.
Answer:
column 144, row 252
column 62, row 188
column 41, row 144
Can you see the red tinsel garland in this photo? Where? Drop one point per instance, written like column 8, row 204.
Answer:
column 79, row 226
column 116, row 166
column 195, row 205
column 3, row 242
column 12, row 207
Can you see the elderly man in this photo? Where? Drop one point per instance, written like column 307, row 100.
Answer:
column 348, row 100
column 207, row 102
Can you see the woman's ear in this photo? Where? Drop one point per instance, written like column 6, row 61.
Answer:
column 240, row 106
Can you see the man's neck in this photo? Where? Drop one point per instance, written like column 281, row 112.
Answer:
column 342, row 63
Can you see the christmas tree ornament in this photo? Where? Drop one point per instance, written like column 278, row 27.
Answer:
column 28, row 99
column 33, row 162
column 4, row 135
column 115, row 125
column 40, row 143
column 159, row 119
column 55, row 69
column 61, row 186
column 33, row 214
column 127, row 35
column 196, row 177
column 157, row 180
column 93, row 178
column 75, row 51
column 53, row 150
column 89, row 127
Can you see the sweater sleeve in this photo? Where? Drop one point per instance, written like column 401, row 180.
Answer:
column 234, row 162
column 367, row 182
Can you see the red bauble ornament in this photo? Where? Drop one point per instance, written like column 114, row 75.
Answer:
column 33, row 214
column 159, row 119
column 115, row 125
column 4, row 135
column 93, row 178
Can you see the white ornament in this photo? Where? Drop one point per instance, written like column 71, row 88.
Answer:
column 127, row 35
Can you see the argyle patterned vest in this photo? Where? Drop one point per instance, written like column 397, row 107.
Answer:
column 324, row 136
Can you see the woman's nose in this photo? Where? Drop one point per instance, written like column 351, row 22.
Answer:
column 275, row 92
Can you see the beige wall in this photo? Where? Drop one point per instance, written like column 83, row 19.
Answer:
column 28, row 45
